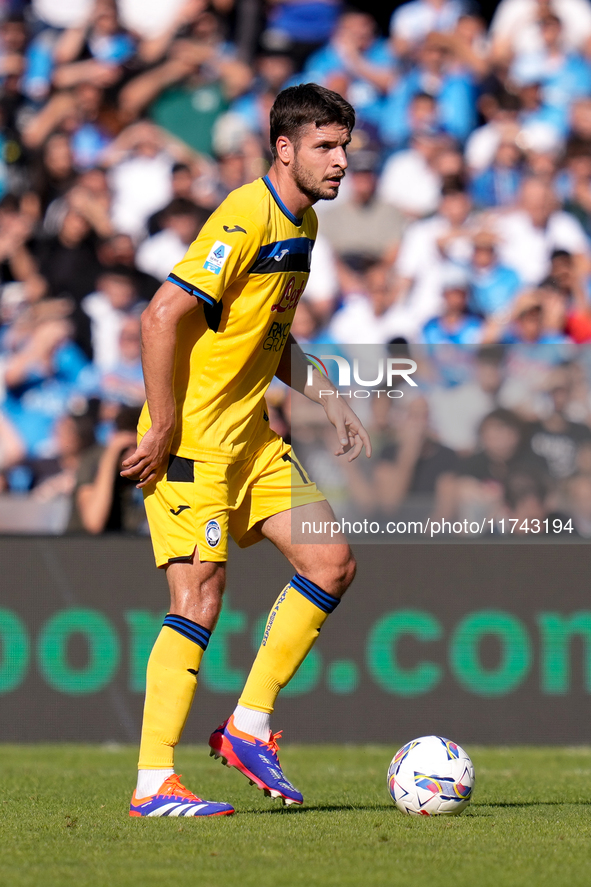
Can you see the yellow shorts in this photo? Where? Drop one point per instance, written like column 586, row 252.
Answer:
column 196, row 504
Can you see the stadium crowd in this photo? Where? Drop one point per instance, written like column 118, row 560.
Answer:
column 464, row 220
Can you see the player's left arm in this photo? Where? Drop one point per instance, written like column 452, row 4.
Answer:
column 293, row 371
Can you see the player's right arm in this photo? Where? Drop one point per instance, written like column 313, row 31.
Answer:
column 224, row 250
column 160, row 322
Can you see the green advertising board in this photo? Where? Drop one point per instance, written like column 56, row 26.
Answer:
column 487, row 644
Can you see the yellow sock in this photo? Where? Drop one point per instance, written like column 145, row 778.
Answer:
column 171, row 681
column 293, row 625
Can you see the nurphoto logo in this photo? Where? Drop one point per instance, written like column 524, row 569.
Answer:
column 386, row 370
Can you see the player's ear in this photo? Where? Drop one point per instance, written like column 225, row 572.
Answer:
column 285, row 150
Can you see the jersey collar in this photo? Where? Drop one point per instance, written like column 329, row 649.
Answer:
column 293, row 219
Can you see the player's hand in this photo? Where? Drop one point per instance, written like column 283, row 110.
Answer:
column 352, row 435
column 144, row 464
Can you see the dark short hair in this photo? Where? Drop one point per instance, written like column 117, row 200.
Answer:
column 560, row 254
column 454, row 184
column 505, row 417
column 122, row 271
column 298, row 106
column 182, row 206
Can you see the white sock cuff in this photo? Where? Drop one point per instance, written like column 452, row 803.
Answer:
column 149, row 781
column 255, row 723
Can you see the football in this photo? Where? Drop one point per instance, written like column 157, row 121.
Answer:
column 430, row 776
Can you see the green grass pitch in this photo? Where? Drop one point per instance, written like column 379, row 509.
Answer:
column 63, row 821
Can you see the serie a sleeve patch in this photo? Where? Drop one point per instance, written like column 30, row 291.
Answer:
column 217, row 256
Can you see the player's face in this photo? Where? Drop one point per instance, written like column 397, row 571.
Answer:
column 320, row 160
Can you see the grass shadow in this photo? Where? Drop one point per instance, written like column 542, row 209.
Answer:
column 329, row 808
column 510, row 804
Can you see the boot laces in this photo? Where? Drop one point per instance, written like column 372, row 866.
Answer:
column 273, row 744
column 173, row 787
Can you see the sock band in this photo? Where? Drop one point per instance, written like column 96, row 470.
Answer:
column 314, row 593
column 191, row 630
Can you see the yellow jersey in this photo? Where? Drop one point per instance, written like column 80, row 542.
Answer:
column 248, row 267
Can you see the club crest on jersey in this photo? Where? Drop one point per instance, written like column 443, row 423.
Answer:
column 213, row 533
column 216, row 259
column 289, row 297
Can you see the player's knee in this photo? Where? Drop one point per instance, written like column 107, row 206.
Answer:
column 341, row 570
column 348, row 570
column 196, row 591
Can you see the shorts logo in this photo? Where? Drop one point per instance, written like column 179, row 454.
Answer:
column 179, row 509
column 213, row 533
column 216, row 259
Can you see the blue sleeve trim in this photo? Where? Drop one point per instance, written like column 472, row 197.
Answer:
column 192, row 290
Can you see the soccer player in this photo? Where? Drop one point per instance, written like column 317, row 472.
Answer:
column 214, row 335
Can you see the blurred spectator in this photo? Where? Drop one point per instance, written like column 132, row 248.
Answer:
column 580, row 118
column 181, row 222
column 525, row 501
column 120, row 250
column 123, row 384
column 414, row 20
column 574, row 181
column 527, row 324
column 182, row 185
column 17, row 262
column 300, row 26
column 502, row 457
column 469, row 43
column 499, row 183
column 69, row 264
column 81, row 111
column 12, row 450
column 362, row 230
column 569, row 281
column 456, row 325
column 410, row 180
column 516, row 26
column 413, row 465
column 564, row 75
column 452, row 90
column 555, row 438
column 357, row 63
column 457, row 411
column 90, row 197
column 97, row 203
column 370, row 315
column 528, row 235
column 500, row 109
column 54, row 172
column 140, row 176
column 493, row 286
column 273, row 71
column 56, row 476
column 94, row 51
column 578, row 496
column 535, row 113
column 425, row 247
column 42, row 371
column 322, row 289
column 103, row 500
column 156, row 23
column 107, row 308
column 307, row 327
column 188, row 92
